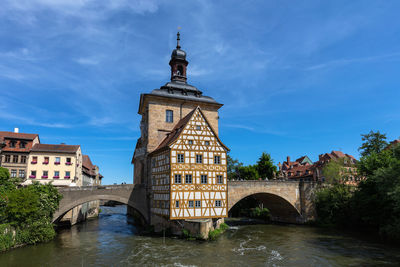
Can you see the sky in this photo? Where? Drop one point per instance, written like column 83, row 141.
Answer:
column 295, row 77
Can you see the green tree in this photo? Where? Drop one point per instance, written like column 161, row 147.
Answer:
column 265, row 166
column 232, row 166
column 373, row 142
column 248, row 172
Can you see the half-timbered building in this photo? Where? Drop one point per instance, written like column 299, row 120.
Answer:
column 189, row 179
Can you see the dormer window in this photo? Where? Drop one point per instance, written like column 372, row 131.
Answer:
column 12, row 144
column 22, row 144
column 169, row 115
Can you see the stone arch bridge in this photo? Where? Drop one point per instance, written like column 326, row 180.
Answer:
column 288, row 201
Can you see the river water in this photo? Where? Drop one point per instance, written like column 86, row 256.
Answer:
column 113, row 241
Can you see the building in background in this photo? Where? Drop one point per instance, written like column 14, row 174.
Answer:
column 301, row 168
column 62, row 165
column 59, row 164
column 15, row 151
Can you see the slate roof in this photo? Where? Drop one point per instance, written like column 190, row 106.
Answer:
column 55, row 148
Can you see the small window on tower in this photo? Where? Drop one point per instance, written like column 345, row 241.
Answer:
column 180, row 70
column 169, row 116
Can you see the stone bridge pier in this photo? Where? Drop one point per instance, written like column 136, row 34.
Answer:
column 288, row 201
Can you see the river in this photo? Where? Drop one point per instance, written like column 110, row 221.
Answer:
column 113, row 241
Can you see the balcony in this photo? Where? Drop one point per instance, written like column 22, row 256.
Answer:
column 45, row 176
column 67, row 177
column 45, row 162
column 32, row 176
column 68, row 163
column 57, row 163
column 33, row 162
column 56, row 177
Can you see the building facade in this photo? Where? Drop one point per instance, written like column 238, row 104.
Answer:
column 182, row 179
column 59, row 164
column 189, row 179
column 15, row 152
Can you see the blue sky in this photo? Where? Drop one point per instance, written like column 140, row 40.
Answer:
column 296, row 77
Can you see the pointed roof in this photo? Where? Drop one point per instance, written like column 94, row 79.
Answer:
column 178, row 129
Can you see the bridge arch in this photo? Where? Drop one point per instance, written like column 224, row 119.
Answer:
column 283, row 200
column 128, row 195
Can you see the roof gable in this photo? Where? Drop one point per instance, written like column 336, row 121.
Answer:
column 187, row 127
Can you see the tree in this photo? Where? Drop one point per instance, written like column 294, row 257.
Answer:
column 374, row 142
column 248, row 172
column 265, row 166
column 232, row 166
column 333, row 171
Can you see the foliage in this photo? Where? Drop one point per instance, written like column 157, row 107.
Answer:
column 28, row 210
column 7, row 239
column 232, row 166
column 214, row 234
column 333, row 204
column 248, row 172
column 375, row 203
column 374, row 142
column 333, row 171
column 260, row 213
column 265, row 166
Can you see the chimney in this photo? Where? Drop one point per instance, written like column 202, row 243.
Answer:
column 288, row 160
column 16, row 130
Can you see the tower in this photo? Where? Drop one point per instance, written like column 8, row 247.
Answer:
column 162, row 108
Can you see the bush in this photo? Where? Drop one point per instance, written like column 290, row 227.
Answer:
column 214, row 234
column 7, row 239
column 260, row 213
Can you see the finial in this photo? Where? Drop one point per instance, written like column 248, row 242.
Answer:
column 177, row 40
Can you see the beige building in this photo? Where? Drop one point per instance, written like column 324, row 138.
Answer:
column 15, row 151
column 59, row 164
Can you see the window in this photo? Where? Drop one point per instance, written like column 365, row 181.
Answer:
column 203, row 179
column 7, row 158
column 190, row 142
column 46, row 160
column 23, row 159
column 33, row 174
column 188, row 179
column 45, row 174
column 169, row 116
column 217, row 159
column 207, row 143
column 217, row 203
column 21, row 173
column 22, row 144
column 199, row 158
column 191, row 204
column 34, row 160
column 13, row 173
column 178, row 178
column 220, row 179
column 12, row 144
column 153, row 163
column 181, row 158
column 56, row 174
column 177, row 204
column 57, row 162
column 198, row 203
column 198, row 127
column 15, row 159
column 68, row 162
column 67, row 175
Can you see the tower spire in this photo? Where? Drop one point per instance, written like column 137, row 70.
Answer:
column 177, row 40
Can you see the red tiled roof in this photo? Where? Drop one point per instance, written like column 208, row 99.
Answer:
column 13, row 135
column 55, row 148
column 302, row 169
